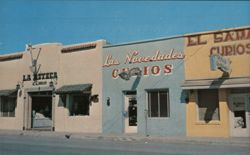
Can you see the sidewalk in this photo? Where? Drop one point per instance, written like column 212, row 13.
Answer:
column 234, row 141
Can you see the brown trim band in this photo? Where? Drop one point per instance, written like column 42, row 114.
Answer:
column 78, row 47
column 11, row 57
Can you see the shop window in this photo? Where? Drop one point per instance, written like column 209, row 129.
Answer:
column 158, row 103
column 240, row 119
column 7, row 106
column 79, row 104
column 208, row 105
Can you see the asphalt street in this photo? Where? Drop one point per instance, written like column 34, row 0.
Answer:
column 43, row 145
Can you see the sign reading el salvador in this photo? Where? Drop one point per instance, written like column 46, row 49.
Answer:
column 135, row 57
column 224, row 42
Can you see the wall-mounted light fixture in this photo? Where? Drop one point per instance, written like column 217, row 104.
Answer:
column 126, row 75
column 94, row 98
column 19, row 85
column 108, row 101
column 51, row 84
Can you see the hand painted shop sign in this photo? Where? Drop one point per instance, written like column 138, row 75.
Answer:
column 219, row 62
column 146, row 70
column 136, row 71
column 40, row 76
column 135, row 57
column 228, row 37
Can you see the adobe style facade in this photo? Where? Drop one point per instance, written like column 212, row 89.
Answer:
column 142, row 88
column 41, row 88
column 217, row 75
column 192, row 85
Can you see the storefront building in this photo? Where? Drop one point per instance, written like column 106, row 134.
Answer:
column 217, row 77
column 195, row 85
column 52, row 87
column 142, row 88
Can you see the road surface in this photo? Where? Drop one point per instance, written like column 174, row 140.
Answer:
column 44, row 145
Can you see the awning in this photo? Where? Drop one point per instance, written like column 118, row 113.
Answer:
column 78, row 88
column 7, row 92
column 217, row 83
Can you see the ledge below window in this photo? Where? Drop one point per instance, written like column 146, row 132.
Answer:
column 209, row 123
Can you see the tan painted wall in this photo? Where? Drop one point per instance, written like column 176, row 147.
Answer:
column 197, row 66
column 72, row 68
column 9, row 75
column 213, row 128
column 79, row 68
column 197, row 63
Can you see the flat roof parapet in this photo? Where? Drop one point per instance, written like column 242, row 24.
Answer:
column 9, row 57
column 77, row 47
column 217, row 31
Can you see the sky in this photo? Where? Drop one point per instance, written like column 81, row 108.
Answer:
column 76, row 21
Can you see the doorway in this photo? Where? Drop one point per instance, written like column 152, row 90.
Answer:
column 130, row 112
column 240, row 115
column 41, row 110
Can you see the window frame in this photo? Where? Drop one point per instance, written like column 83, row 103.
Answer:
column 70, row 103
column 8, row 104
column 202, row 121
column 165, row 90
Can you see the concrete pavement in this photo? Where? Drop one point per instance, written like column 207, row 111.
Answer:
column 234, row 141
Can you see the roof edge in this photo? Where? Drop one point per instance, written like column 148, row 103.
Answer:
column 216, row 31
column 11, row 56
column 143, row 41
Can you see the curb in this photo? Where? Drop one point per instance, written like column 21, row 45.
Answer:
column 245, row 142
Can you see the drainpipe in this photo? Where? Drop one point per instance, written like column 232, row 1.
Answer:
column 146, row 122
column 24, row 100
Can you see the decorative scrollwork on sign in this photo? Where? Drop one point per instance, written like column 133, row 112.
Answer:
column 132, row 72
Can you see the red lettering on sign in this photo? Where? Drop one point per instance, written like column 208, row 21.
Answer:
column 240, row 35
column 155, row 70
column 248, row 47
column 168, row 69
column 218, row 37
column 248, row 34
column 145, row 70
column 228, row 37
column 115, row 73
column 214, row 50
column 240, row 49
column 195, row 40
column 191, row 41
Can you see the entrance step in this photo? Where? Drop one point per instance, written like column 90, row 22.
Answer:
column 40, row 129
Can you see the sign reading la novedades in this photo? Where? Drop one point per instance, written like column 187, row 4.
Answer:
column 135, row 57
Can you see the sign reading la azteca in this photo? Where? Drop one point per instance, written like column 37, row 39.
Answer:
column 135, row 58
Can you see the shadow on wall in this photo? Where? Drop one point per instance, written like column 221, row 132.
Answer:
column 108, row 126
column 218, row 82
column 136, row 83
column 209, row 113
column 62, row 101
column 184, row 98
column 190, row 96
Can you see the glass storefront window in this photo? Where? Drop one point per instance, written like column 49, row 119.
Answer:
column 208, row 105
column 158, row 103
column 7, row 106
column 79, row 104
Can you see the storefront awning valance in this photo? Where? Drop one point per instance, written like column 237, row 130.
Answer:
column 7, row 92
column 78, row 88
column 217, row 83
